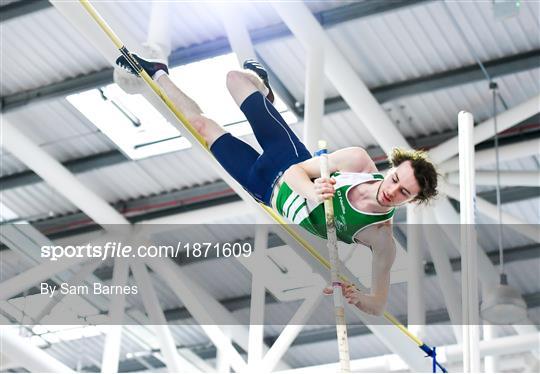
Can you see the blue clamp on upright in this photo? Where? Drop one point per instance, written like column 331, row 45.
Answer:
column 320, row 152
column 432, row 352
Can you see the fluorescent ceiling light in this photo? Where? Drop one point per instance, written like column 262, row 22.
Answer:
column 140, row 131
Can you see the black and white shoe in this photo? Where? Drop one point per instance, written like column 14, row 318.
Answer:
column 258, row 69
column 151, row 67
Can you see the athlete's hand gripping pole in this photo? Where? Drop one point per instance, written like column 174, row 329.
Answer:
column 331, row 243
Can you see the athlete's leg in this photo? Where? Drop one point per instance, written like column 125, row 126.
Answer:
column 256, row 173
column 249, row 90
column 208, row 128
column 159, row 71
column 242, row 84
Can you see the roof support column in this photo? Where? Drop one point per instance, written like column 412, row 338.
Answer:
column 159, row 28
column 237, row 32
column 490, row 362
column 57, row 176
column 202, row 307
column 222, row 362
column 113, row 339
column 355, row 93
column 416, row 311
column 174, row 362
column 448, row 219
column 445, row 277
column 291, row 331
column 258, row 300
column 31, row 277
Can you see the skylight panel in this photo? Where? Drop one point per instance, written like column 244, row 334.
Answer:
column 140, row 131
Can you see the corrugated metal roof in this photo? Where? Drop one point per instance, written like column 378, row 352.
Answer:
column 54, row 51
column 412, row 42
column 384, row 49
column 50, row 53
column 58, row 128
column 528, row 210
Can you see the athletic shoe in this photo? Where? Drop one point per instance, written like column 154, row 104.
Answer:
column 151, row 67
column 258, row 69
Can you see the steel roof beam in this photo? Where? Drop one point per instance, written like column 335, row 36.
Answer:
column 451, row 78
column 22, row 8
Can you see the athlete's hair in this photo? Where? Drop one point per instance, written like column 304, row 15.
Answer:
column 424, row 171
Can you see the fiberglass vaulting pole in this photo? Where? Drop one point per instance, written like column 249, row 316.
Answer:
column 469, row 267
column 331, row 243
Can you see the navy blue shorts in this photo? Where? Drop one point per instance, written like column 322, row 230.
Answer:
column 258, row 173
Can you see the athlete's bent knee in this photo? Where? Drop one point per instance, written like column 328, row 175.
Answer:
column 234, row 77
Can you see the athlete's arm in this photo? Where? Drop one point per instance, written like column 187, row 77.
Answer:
column 383, row 247
column 299, row 177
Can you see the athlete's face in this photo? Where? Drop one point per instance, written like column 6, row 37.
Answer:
column 399, row 186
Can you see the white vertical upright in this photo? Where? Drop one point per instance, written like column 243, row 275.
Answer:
column 113, row 339
column 291, row 331
column 490, row 362
column 469, row 268
column 256, row 325
column 416, row 311
column 447, row 283
column 174, row 362
column 223, row 364
column 314, row 107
